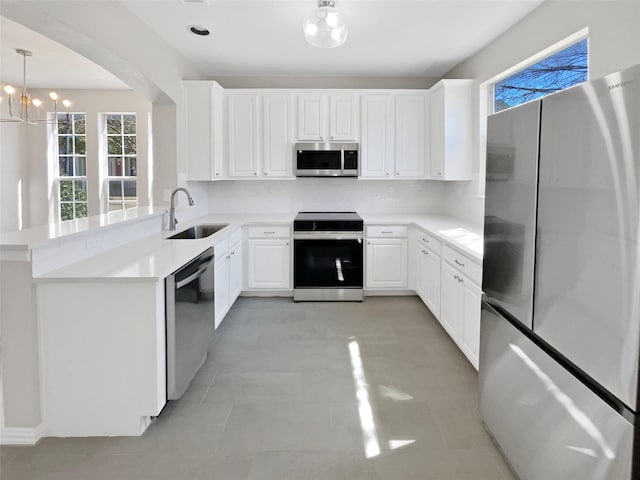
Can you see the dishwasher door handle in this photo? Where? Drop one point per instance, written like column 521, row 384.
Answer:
column 198, row 273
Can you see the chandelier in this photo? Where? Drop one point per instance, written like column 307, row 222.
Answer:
column 28, row 108
column 326, row 26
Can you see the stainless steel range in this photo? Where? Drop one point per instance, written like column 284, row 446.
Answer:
column 327, row 256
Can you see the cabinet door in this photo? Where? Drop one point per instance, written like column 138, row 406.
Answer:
column 343, row 122
column 312, row 117
column 410, row 131
column 470, row 337
column 243, row 140
column 278, row 136
column 235, row 272
column 451, row 306
column 421, row 267
column 269, row 264
column 221, row 279
column 203, row 130
column 437, row 133
column 376, row 145
column 431, row 272
column 386, row 263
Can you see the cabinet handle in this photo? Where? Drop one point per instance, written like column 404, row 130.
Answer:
column 386, row 232
column 459, row 263
column 425, row 240
column 266, row 173
column 269, row 233
column 217, row 173
column 368, row 243
column 287, row 243
column 425, row 253
column 387, row 173
column 228, row 256
column 255, row 173
column 460, row 279
column 321, row 138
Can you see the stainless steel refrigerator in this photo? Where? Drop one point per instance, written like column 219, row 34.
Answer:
column 560, row 327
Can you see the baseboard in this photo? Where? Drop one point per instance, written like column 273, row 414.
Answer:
column 21, row 435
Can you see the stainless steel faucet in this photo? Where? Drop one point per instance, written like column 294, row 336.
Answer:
column 172, row 211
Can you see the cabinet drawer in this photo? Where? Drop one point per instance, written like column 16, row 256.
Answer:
column 268, row 231
column 383, row 231
column 428, row 241
column 463, row 264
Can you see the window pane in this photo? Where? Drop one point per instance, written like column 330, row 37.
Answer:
column 81, row 145
column 130, row 205
column 66, row 190
column 65, row 166
column 115, row 189
column 131, row 168
column 80, row 190
column 79, row 124
column 114, row 124
column 557, row 72
column 65, row 145
column 115, row 206
column 114, row 145
column 80, row 166
column 129, row 144
column 129, row 124
column 130, row 189
column 115, row 166
column 66, row 211
column 64, row 127
column 81, row 210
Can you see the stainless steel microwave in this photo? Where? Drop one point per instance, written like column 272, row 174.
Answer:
column 326, row 160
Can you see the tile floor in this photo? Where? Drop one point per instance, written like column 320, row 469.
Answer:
column 373, row 390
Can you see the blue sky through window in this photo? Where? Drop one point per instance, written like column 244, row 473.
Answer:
column 561, row 70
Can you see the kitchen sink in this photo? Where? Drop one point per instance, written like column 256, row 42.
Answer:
column 199, row 231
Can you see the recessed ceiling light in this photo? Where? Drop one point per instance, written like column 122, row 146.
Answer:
column 199, row 30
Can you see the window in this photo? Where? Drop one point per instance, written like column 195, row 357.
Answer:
column 72, row 165
column 563, row 69
column 121, row 160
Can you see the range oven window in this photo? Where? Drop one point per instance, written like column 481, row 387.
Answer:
column 328, row 263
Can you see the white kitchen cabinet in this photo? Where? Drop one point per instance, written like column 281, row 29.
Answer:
column 269, row 258
column 451, row 130
column 411, row 134
column 242, row 135
column 339, row 124
column 221, row 280
column 235, row 271
column 460, row 306
column 277, row 131
column 376, row 137
column 204, row 130
column 428, row 277
column 386, row 257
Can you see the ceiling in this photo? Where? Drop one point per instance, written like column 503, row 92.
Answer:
column 390, row 38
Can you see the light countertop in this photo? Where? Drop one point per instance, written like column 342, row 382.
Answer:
column 155, row 257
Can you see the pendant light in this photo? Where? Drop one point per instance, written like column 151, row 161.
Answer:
column 24, row 111
column 326, row 26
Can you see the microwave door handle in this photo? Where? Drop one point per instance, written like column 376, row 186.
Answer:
column 342, row 160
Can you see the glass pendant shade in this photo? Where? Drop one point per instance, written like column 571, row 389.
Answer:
column 326, row 26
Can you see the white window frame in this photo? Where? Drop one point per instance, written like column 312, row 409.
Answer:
column 58, row 179
column 486, row 92
column 123, row 202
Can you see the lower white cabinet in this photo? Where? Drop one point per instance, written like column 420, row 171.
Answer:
column 460, row 310
column 269, row 258
column 386, row 257
column 227, row 275
column 221, row 279
column 428, row 277
column 235, row 271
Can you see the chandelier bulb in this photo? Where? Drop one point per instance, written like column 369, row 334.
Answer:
column 9, row 90
column 36, row 102
column 66, row 103
column 53, row 96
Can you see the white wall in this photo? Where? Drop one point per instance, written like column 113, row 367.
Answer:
column 614, row 37
column 14, row 174
column 326, row 194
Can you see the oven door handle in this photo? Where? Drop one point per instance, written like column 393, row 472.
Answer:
column 328, row 236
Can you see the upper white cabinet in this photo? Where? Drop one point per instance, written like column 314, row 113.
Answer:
column 277, row 131
column 376, row 136
column 243, row 135
column 340, row 124
column 204, row 130
column 451, row 127
column 410, row 135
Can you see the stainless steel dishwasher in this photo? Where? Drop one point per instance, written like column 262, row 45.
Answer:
column 189, row 294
